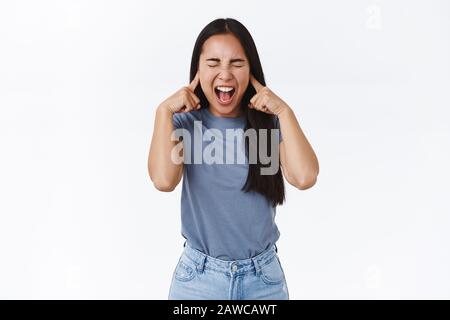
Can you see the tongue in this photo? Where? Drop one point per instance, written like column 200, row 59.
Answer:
column 224, row 96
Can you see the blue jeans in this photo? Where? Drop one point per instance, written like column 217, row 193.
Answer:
column 198, row 276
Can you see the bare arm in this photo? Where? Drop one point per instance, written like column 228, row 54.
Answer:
column 299, row 163
column 165, row 173
column 298, row 160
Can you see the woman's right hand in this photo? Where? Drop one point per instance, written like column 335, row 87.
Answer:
column 184, row 100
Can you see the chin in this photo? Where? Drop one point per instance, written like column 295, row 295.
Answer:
column 225, row 110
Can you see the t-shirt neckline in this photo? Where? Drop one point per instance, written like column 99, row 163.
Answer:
column 224, row 120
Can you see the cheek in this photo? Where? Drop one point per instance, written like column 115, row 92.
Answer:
column 204, row 84
column 243, row 80
column 206, row 80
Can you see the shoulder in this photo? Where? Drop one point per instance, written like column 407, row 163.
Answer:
column 186, row 119
column 277, row 126
column 276, row 121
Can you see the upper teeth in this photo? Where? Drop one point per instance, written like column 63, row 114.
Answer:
column 225, row 89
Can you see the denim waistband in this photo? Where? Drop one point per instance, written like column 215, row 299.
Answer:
column 253, row 264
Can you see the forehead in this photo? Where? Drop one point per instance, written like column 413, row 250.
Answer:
column 223, row 46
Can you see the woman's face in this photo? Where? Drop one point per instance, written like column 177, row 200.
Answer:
column 224, row 74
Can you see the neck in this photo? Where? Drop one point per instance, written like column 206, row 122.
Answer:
column 235, row 114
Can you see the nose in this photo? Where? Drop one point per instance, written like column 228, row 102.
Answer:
column 225, row 74
column 225, row 77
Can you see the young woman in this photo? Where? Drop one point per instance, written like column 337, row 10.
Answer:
column 228, row 207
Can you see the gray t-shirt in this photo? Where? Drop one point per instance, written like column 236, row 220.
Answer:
column 218, row 218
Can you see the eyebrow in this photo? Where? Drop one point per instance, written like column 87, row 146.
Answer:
column 231, row 60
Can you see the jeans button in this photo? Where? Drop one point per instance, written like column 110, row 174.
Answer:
column 234, row 267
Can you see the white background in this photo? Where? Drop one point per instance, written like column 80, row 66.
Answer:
column 79, row 83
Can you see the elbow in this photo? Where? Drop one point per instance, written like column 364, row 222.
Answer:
column 307, row 183
column 161, row 183
column 304, row 183
column 164, row 186
column 304, row 179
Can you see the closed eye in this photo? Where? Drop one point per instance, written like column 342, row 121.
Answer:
column 234, row 65
column 237, row 62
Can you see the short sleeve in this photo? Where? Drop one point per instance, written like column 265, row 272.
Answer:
column 177, row 120
column 277, row 126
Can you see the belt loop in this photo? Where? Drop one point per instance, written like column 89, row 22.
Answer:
column 256, row 264
column 201, row 263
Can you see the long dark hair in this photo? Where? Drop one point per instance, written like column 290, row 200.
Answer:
column 271, row 186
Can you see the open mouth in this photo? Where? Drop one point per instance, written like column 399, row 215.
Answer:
column 224, row 94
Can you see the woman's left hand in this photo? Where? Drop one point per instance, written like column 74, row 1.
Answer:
column 265, row 100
